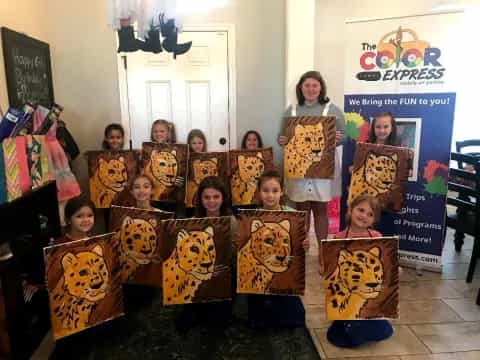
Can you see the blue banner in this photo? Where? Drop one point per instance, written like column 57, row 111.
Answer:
column 424, row 124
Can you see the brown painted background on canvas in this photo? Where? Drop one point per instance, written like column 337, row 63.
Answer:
column 178, row 193
column 131, row 161
column 150, row 274
column 219, row 287
column 222, row 165
column 386, row 304
column 394, row 198
column 325, row 168
column 292, row 281
column 112, row 305
column 267, row 154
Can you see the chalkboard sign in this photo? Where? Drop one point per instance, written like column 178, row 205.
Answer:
column 28, row 69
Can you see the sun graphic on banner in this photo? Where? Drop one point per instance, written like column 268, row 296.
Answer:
column 356, row 126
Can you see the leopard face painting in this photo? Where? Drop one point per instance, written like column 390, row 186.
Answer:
column 191, row 263
column 85, row 281
column 358, row 277
column 375, row 177
column 304, row 148
column 109, row 178
column 267, row 252
column 138, row 243
column 245, row 179
column 162, row 168
column 201, row 170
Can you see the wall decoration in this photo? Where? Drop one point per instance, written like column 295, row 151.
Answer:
column 109, row 173
column 271, row 259
column 164, row 163
column 247, row 166
column 83, row 282
column 310, row 152
column 202, row 165
column 380, row 171
column 28, row 69
column 361, row 278
column 138, row 234
column 197, row 257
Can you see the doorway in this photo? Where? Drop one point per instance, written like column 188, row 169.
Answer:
column 197, row 90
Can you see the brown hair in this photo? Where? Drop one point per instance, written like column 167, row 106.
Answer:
column 130, row 184
column 196, row 133
column 372, row 201
column 271, row 175
column 75, row 204
column 259, row 139
column 211, row 182
column 322, row 97
column 171, row 136
column 392, row 138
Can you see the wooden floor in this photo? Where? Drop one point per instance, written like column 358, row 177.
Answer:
column 439, row 319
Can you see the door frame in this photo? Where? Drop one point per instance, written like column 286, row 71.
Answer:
column 231, row 73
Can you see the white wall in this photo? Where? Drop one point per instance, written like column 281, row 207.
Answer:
column 330, row 39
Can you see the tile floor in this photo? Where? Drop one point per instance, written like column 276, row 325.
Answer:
column 439, row 319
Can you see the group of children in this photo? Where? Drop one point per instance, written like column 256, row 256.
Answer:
column 212, row 201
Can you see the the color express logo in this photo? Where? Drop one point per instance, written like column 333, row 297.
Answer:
column 395, row 59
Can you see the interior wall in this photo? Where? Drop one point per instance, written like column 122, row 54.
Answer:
column 85, row 66
column 25, row 16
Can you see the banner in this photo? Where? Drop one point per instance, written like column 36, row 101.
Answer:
column 406, row 66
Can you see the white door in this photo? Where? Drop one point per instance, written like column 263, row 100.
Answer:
column 191, row 91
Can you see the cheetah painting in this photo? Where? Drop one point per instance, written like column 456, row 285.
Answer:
column 83, row 282
column 380, row 171
column 109, row 173
column 270, row 258
column 361, row 278
column 246, row 168
column 197, row 265
column 310, row 151
column 202, row 165
column 137, row 232
column 166, row 165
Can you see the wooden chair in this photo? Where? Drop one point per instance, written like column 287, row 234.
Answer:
column 465, row 147
column 466, row 219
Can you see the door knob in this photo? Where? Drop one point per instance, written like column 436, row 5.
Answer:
column 222, row 141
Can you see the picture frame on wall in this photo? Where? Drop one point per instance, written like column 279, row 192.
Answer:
column 409, row 131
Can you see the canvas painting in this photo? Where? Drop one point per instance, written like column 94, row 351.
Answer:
column 361, row 278
column 37, row 160
column 246, row 168
column 310, row 151
column 109, row 173
column 271, row 259
column 380, row 171
column 164, row 164
column 197, row 262
column 202, row 165
column 139, row 237
column 83, row 283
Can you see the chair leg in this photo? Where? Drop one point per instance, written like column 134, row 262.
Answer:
column 473, row 260
column 478, row 297
column 458, row 240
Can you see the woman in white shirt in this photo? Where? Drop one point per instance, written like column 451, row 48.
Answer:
column 313, row 195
